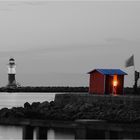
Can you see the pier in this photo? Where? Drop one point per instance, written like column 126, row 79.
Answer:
column 84, row 126
column 82, row 129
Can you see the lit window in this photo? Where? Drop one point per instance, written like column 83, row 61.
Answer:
column 115, row 83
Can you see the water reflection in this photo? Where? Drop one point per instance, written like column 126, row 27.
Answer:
column 15, row 133
column 18, row 99
column 10, row 133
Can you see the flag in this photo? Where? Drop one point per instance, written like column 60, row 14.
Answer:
column 130, row 61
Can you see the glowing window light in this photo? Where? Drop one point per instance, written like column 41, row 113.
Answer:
column 115, row 82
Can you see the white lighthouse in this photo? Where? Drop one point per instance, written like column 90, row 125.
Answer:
column 11, row 73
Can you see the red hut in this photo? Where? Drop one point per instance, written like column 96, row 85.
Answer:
column 106, row 81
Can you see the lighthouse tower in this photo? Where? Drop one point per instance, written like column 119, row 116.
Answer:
column 11, row 73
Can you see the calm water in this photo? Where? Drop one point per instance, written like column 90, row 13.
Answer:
column 18, row 99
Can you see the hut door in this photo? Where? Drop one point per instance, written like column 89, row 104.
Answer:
column 108, row 84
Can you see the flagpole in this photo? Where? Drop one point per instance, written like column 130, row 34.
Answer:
column 134, row 75
column 134, row 67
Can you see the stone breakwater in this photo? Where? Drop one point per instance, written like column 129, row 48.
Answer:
column 71, row 107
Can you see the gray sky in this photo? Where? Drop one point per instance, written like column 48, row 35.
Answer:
column 58, row 42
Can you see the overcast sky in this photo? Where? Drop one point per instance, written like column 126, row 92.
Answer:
column 58, row 42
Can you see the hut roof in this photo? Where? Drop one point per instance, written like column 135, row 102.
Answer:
column 109, row 71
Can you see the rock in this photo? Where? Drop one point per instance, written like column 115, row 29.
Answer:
column 4, row 112
column 27, row 106
column 44, row 105
column 17, row 112
column 52, row 103
column 35, row 106
column 86, row 107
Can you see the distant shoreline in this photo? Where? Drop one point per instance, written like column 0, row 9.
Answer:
column 60, row 89
column 44, row 89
